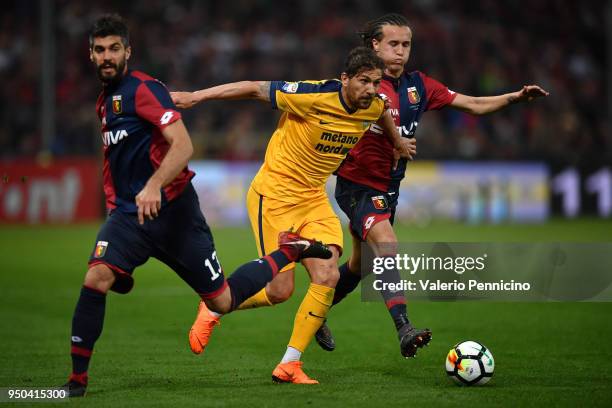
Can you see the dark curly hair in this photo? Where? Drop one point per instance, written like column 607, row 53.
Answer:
column 110, row 24
column 362, row 59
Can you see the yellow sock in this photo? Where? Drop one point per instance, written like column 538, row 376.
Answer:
column 259, row 299
column 310, row 315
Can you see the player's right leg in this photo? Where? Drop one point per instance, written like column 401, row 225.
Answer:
column 224, row 297
column 189, row 241
column 267, row 221
column 121, row 245
column 87, row 323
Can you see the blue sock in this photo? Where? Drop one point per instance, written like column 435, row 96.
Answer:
column 395, row 301
column 346, row 284
column 253, row 276
column 87, row 325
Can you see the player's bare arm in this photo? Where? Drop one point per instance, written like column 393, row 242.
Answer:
column 482, row 105
column 259, row 90
column 181, row 149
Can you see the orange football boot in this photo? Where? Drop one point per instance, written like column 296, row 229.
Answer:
column 202, row 329
column 291, row 372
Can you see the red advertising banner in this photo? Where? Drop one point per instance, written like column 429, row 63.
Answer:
column 60, row 191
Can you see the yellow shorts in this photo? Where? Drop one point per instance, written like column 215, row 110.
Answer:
column 313, row 219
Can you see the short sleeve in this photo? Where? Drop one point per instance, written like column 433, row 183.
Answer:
column 154, row 104
column 293, row 97
column 438, row 94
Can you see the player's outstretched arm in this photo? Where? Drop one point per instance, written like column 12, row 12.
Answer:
column 259, row 90
column 148, row 200
column 482, row 105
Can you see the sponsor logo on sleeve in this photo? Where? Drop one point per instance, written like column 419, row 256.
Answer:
column 290, row 87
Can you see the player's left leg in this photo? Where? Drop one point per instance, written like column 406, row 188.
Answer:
column 309, row 317
column 324, row 224
column 383, row 241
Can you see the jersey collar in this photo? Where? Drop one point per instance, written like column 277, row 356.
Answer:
column 394, row 81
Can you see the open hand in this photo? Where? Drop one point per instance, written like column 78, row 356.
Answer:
column 529, row 93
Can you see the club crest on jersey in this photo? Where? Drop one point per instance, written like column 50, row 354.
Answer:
column 413, row 95
column 380, row 203
column 117, row 104
column 100, row 249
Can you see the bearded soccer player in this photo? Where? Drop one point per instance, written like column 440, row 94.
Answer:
column 153, row 208
column 321, row 122
column 368, row 183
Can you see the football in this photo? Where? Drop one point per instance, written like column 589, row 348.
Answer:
column 470, row 363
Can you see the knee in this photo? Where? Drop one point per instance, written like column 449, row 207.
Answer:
column 99, row 277
column 279, row 293
column 327, row 276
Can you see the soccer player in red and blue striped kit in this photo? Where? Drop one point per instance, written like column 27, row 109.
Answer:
column 153, row 208
column 368, row 181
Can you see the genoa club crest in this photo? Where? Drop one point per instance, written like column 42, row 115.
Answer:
column 117, row 104
column 100, row 249
column 413, row 95
column 380, row 203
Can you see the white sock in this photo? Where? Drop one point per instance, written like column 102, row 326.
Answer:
column 215, row 314
column 292, row 354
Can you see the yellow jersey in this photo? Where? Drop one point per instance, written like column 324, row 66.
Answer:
column 315, row 132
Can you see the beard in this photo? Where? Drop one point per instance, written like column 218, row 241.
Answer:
column 364, row 103
column 114, row 78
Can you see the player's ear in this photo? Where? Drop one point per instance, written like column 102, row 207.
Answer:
column 344, row 78
column 91, row 58
column 375, row 44
column 128, row 52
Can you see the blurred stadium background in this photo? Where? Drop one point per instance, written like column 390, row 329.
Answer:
column 525, row 164
column 537, row 172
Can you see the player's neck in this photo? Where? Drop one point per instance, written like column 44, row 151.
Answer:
column 346, row 100
column 394, row 73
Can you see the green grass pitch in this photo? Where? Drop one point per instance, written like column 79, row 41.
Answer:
column 546, row 354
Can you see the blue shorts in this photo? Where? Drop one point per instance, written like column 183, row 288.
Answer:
column 364, row 206
column 178, row 237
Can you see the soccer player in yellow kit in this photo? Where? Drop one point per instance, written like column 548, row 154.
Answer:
column 321, row 122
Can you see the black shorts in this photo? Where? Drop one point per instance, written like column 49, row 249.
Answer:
column 178, row 237
column 364, row 206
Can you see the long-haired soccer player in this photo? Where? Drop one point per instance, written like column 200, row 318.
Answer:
column 367, row 187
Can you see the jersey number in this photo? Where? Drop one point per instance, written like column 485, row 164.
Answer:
column 215, row 274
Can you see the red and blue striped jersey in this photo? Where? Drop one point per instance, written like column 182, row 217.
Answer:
column 133, row 114
column 370, row 162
